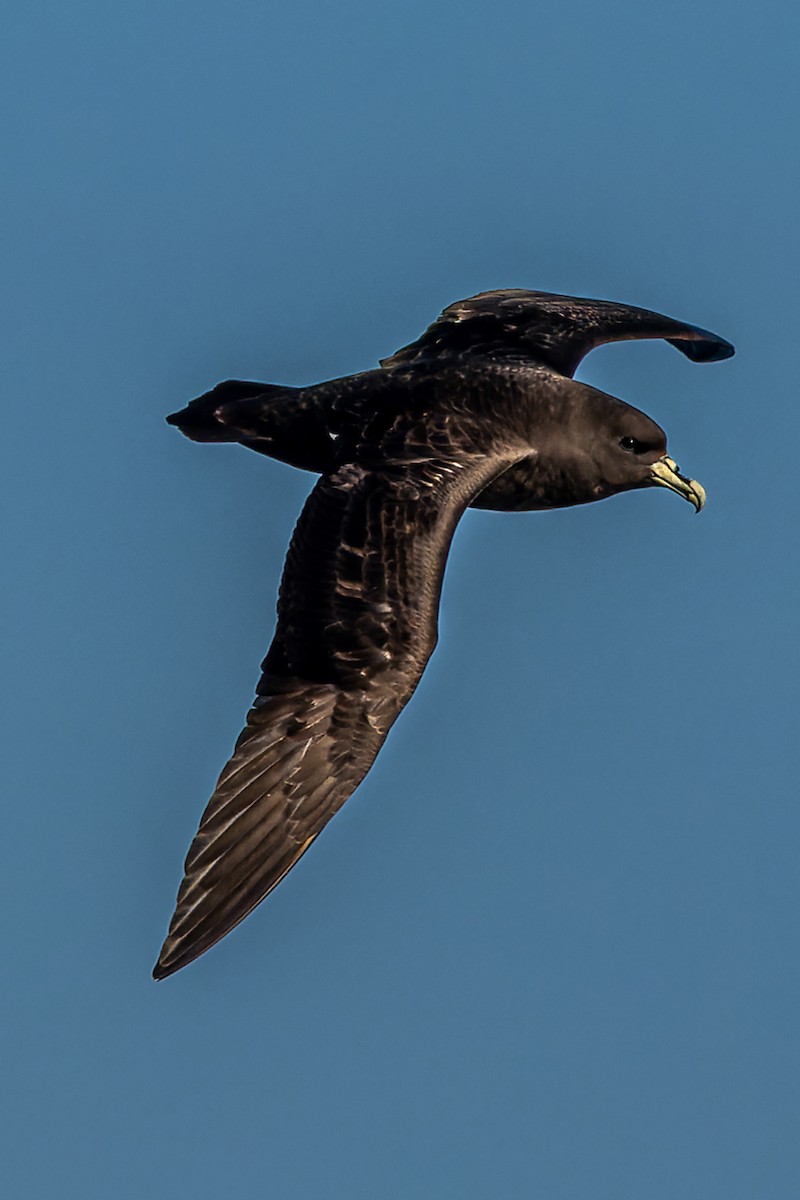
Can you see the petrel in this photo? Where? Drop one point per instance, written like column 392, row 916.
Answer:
column 483, row 411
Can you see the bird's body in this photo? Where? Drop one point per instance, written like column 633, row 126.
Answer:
column 481, row 411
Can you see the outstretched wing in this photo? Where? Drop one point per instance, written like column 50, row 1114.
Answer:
column 555, row 330
column 357, row 618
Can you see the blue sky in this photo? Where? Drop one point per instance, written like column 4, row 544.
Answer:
column 550, row 947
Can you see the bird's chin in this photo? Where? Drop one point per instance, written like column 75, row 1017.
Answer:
column 665, row 473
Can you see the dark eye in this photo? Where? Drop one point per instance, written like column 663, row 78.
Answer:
column 632, row 444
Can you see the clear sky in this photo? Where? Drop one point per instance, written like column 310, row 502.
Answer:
column 550, row 948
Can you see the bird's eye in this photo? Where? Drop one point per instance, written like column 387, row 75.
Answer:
column 632, row 444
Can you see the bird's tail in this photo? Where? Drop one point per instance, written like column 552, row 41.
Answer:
column 208, row 418
column 290, row 424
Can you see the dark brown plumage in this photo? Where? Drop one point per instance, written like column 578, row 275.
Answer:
column 482, row 411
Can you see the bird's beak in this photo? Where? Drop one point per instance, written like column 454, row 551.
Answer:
column 665, row 472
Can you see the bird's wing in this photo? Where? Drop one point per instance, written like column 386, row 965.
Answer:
column 357, row 619
column 555, row 330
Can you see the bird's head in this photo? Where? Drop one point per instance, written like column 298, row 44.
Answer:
column 595, row 446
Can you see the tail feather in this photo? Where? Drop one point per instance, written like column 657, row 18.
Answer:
column 290, row 424
column 204, row 419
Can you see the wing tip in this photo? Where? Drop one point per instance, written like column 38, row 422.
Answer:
column 164, row 967
column 702, row 347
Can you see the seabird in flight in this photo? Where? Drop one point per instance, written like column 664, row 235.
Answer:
column 480, row 411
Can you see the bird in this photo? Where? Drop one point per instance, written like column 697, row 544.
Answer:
column 481, row 411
